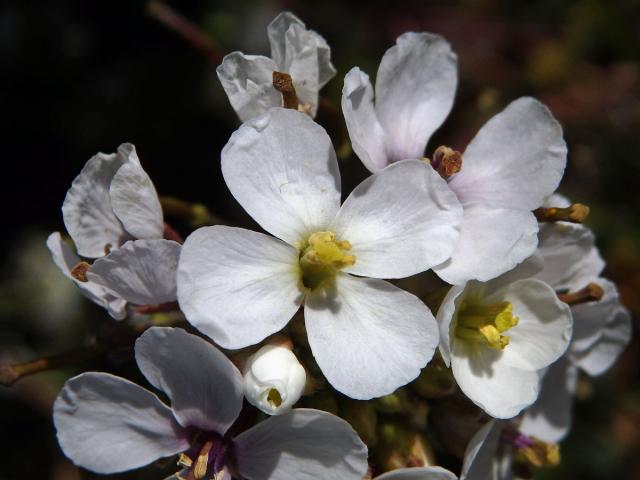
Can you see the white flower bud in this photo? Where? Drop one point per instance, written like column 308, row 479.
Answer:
column 273, row 379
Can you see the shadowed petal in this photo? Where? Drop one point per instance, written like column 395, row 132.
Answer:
column 107, row 424
column 304, row 444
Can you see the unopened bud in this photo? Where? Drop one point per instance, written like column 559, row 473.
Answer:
column 274, row 379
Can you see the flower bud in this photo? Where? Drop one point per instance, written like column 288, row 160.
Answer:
column 273, row 379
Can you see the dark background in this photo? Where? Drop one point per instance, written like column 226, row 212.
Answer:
column 78, row 77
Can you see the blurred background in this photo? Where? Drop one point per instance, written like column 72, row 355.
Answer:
column 78, row 77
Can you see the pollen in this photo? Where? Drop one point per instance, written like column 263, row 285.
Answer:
column 486, row 323
column 540, row 454
column 322, row 257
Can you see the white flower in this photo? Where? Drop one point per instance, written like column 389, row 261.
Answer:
column 111, row 201
column 107, row 424
column 513, row 163
column 237, row 286
column 273, row 379
column 499, row 335
column 302, row 53
column 602, row 328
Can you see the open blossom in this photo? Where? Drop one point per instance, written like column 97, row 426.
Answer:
column 274, row 379
column 302, row 53
column 602, row 327
column 111, row 201
column 499, row 335
column 108, row 424
column 514, row 162
column 237, row 286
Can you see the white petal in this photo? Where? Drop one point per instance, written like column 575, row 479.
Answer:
column 304, row 444
column 571, row 259
column 368, row 336
column 500, row 390
column 415, row 87
column 365, row 131
column 282, row 169
column 288, row 36
column 65, row 260
column 480, row 454
column 248, row 82
column 492, row 242
column 87, row 210
column 302, row 53
column 614, row 339
column 544, row 326
column 400, row 221
column 142, row 272
column 423, row 473
column 107, row 424
column 237, row 286
column 444, row 317
column 593, row 320
column 549, row 418
column 516, row 159
column 205, row 388
column 135, row 202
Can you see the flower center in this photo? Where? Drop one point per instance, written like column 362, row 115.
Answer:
column 205, row 460
column 446, row 161
column 322, row 257
column 486, row 323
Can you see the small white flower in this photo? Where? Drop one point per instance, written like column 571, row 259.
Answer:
column 274, row 379
column 498, row 336
column 237, row 286
column 111, row 201
column 302, row 53
column 512, row 164
column 602, row 328
column 107, row 424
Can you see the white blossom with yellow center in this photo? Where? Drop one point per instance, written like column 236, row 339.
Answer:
column 500, row 335
column 238, row 286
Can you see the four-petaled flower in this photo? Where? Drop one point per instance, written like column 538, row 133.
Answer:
column 514, row 162
column 237, row 286
column 108, row 424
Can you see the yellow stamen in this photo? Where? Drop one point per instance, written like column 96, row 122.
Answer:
column 79, row 272
column 322, row 257
column 184, row 461
column 202, row 462
column 486, row 323
column 576, row 213
column 540, row 454
column 274, row 398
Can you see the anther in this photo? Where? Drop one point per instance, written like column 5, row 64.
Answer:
column 283, row 83
column 446, row 161
column 591, row 293
column 79, row 272
column 202, row 462
column 576, row 213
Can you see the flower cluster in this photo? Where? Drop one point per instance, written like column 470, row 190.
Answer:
column 520, row 307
